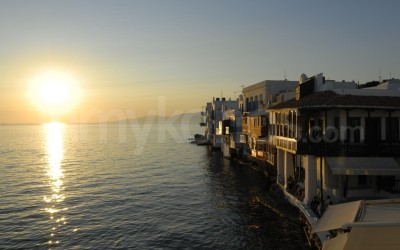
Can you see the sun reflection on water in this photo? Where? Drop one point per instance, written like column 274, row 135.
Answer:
column 55, row 154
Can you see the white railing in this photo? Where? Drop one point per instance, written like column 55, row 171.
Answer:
column 285, row 143
column 271, row 158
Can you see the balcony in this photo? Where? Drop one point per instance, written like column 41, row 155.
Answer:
column 388, row 149
column 258, row 131
column 254, row 131
column 338, row 148
column 245, row 129
column 288, row 144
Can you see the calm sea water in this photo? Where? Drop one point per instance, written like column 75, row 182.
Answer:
column 118, row 187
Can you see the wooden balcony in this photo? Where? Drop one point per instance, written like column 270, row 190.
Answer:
column 338, row 148
column 382, row 149
column 254, row 131
column 259, row 131
column 245, row 129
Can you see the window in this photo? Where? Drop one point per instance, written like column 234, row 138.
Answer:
column 321, row 127
column 333, row 132
column 304, row 132
column 373, row 131
column 264, row 121
column 392, row 129
column 362, row 180
column 311, row 124
column 336, row 122
column 353, row 129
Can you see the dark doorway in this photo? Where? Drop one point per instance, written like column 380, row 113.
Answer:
column 373, row 130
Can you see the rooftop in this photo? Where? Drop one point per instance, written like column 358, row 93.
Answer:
column 330, row 99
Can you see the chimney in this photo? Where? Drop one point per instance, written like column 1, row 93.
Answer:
column 305, row 88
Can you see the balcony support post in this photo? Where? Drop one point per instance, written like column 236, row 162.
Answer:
column 297, row 125
column 321, row 179
column 310, row 182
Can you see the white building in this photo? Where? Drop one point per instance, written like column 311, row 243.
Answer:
column 231, row 131
column 261, row 95
column 254, row 102
column 334, row 139
column 214, row 116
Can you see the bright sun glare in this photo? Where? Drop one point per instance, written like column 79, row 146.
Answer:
column 54, row 92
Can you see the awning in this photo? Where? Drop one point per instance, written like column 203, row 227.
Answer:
column 339, row 242
column 336, row 216
column 363, row 165
column 373, row 224
column 371, row 238
column 380, row 213
column 366, row 238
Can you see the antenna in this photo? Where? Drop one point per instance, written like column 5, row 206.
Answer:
column 380, row 76
column 284, row 75
column 237, row 91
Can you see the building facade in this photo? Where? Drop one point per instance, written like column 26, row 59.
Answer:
column 261, row 95
column 231, row 131
column 214, row 113
column 254, row 102
column 334, row 139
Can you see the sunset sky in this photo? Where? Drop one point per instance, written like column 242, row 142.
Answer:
column 129, row 55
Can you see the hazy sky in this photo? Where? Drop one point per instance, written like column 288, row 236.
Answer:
column 128, row 54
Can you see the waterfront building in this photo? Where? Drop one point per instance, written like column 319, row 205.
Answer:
column 213, row 120
column 231, row 131
column 254, row 102
column 203, row 115
column 338, row 140
column 262, row 95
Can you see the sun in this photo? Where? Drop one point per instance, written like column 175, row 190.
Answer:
column 54, row 92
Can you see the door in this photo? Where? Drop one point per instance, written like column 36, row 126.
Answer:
column 372, row 134
column 373, row 130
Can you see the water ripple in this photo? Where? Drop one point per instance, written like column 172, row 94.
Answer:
column 104, row 196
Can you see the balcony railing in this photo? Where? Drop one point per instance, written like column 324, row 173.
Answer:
column 286, row 143
column 350, row 148
column 338, row 148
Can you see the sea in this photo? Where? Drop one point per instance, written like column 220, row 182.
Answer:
column 131, row 186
